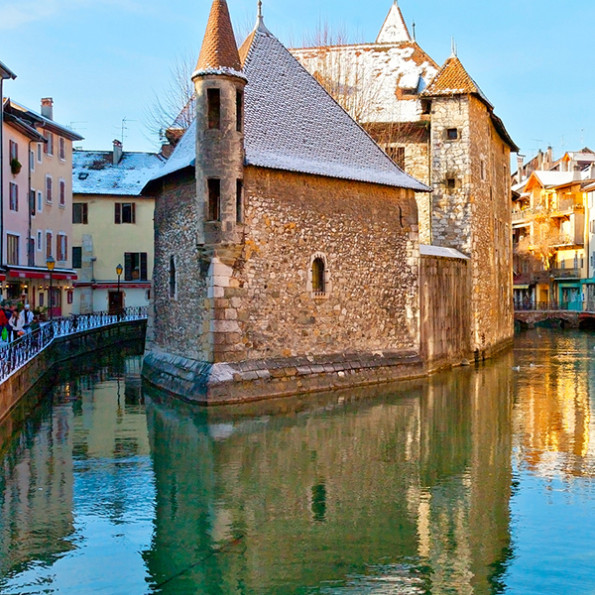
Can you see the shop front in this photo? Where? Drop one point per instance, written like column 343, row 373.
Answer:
column 50, row 294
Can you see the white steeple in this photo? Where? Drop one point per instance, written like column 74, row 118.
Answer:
column 394, row 29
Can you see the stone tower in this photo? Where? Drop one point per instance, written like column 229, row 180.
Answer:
column 470, row 173
column 219, row 85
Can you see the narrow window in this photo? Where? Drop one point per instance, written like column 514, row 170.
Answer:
column 172, row 277
column 32, row 160
column 39, row 152
column 39, row 201
column 77, row 257
column 239, row 202
column 32, row 208
column 13, row 150
column 214, row 108
column 318, row 285
column 12, row 247
column 79, row 213
column 62, row 149
column 239, row 114
column 49, row 145
column 62, row 193
column 452, row 133
column 39, row 241
column 48, row 244
column 451, row 183
column 31, row 252
column 14, row 197
column 48, row 189
column 214, row 213
column 483, row 169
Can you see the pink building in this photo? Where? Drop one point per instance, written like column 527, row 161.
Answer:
column 36, row 214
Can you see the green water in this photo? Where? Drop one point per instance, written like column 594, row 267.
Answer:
column 475, row 481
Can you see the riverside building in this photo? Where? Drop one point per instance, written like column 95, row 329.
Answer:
column 287, row 253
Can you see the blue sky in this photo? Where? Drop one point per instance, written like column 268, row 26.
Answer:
column 105, row 60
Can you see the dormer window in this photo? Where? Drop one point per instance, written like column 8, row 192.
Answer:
column 213, row 109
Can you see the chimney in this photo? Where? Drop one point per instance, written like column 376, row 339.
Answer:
column 550, row 157
column 519, row 164
column 47, row 108
column 117, row 154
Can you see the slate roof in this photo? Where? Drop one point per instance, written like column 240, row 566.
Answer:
column 219, row 52
column 293, row 124
column 94, row 173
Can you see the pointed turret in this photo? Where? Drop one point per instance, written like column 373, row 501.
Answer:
column 219, row 84
column 394, row 29
column 219, row 52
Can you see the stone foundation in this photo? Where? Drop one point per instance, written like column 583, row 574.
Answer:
column 225, row 383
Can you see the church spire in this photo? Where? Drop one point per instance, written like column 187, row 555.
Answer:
column 394, row 29
column 219, row 50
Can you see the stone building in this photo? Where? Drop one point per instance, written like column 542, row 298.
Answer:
column 441, row 128
column 282, row 231
column 287, row 254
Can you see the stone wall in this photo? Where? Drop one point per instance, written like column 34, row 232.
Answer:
column 445, row 312
column 471, row 211
column 181, row 321
column 367, row 237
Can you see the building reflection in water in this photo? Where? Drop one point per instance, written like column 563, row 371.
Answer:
column 79, row 467
column 552, row 414
column 340, row 493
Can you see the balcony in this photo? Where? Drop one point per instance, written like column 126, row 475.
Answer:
column 565, row 274
column 566, row 207
column 521, row 216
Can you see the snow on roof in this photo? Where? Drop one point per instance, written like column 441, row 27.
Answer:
column 441, row 252
column 94, row 173
column 45, row 122
column 394, row 28
column 184, row 155
column 292, row 123
column 374, row 71
column 549, row 179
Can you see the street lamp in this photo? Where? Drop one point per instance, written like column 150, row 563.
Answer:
column 50, row 263
column 119, row 270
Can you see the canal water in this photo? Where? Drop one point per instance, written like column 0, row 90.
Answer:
column 475, row 481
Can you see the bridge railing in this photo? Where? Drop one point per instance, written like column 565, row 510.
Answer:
column 16, row 354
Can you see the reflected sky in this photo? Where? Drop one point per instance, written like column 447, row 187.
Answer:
column 475, row 481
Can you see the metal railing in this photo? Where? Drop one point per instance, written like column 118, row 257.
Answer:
column 16, row 354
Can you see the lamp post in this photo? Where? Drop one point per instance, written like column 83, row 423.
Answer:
column 119, row 270
column 50, row 263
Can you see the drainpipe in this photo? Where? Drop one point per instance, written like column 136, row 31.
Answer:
column 5, row 73
column 30, row 252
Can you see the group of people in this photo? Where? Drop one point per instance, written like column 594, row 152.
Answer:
column 15, row 322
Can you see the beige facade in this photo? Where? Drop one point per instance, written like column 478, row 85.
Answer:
column 112, row 225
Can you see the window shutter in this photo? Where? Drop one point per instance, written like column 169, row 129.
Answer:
column 143, row 266
column 133, row 212
column 118, row 215
column 128, row 266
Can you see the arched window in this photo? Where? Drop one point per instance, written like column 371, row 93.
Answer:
column 318, row 280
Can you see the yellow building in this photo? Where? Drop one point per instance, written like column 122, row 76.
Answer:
column 112, row 225
column 550, row 227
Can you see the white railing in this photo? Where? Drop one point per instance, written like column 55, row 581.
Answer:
column 15, row 355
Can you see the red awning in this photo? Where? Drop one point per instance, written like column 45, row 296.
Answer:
column 31, row 273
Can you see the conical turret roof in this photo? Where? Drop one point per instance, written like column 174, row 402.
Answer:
column 219, row 52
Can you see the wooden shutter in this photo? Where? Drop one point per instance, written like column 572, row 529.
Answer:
column 128, row 266
column 133, row 213
column 118, row 214
column 143, row 266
